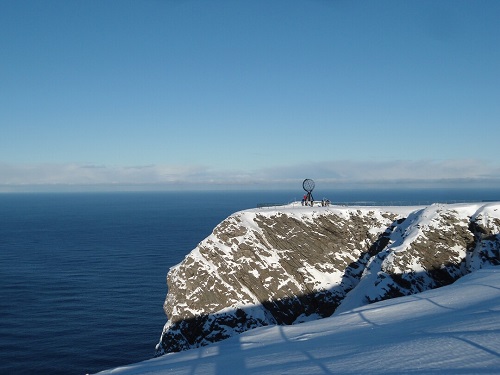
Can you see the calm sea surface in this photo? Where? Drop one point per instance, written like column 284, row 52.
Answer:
column 82, row 276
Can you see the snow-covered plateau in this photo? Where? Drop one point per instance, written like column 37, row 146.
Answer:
column 284, row 268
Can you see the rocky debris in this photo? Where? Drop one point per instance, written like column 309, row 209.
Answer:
column 291, row 264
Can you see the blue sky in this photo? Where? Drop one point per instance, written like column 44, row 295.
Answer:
column 249, row 93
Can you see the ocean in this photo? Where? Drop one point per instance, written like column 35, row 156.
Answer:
column 83, row 275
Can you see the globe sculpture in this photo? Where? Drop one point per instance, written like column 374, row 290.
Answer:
column 308, row 186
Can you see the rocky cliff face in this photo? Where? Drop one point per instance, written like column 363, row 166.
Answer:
column 291, row 264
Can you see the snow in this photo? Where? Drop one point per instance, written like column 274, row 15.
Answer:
column 450, row 330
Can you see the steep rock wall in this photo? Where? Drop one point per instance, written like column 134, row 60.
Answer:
column 294, row 263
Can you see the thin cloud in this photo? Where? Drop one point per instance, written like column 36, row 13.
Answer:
column 468, row 172
column 76, row 174
column 390, row 171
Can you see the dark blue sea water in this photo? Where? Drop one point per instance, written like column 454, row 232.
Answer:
column 82, row 275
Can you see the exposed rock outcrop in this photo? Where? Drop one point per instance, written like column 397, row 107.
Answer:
column 291, row 264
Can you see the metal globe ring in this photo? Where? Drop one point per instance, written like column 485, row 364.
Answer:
column 308, row 185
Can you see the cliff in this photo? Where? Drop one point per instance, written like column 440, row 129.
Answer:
column 291, row 264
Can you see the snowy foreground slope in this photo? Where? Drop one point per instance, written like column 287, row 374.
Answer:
column 451, row 330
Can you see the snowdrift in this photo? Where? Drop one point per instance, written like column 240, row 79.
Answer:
column 450, row 330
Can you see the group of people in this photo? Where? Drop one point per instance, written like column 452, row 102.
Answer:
column 307, row 200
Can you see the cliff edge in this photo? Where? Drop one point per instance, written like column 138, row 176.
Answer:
column 291, row 264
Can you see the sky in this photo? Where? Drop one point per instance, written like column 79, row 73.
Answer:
column 174, row 94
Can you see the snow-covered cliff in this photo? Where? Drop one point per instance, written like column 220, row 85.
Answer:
column 291, row 264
